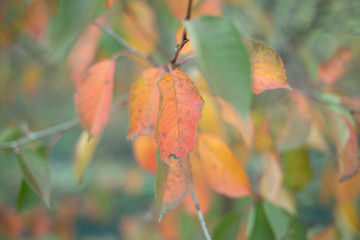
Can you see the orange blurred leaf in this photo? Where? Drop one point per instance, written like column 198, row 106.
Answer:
column 243, row 124
column 335, row 67
column 83, row 51
column 93, row 96
column 144, row 148
column 172, row 184
column 223, row 171
column 267, row 68
column 144, row 103
column 139, row 26
column 37, row 19
column 346, row 145
column 179, row 113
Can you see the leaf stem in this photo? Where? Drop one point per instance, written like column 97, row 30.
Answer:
column 200, row 215
column 60, row 128
column 122, row 41
column 184, row 38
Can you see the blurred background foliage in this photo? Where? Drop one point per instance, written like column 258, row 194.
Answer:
column 116, row 198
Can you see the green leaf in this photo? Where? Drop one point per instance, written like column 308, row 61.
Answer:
column 228, row 227
column 222, row 59
column 295, row 231
column 259, row 225
column 36, row 172
column 26, row 198
column 280, row 226
column 172, row 184
column 273, row 223
column 9, row 134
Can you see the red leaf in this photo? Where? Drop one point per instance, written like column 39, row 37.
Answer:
column 179, row 113
column 144, row 103
column 267, row 68
column 83, row 51
column 335, row 67
column 93, row 96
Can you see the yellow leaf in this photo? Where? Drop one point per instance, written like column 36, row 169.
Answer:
column 223, row 171
column 84, row 151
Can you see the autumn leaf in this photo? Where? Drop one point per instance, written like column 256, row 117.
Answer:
column 83, row 51
column 172, row 184
column 144, row 148
column 243, row 124
column 267, row 68
column 335, row 67
column 84, row 150
column 346, row 143
column 37, row 19
column 139, row 26
column 144, row 103
column 179, row 113
column 93, row 96
column 223, row 171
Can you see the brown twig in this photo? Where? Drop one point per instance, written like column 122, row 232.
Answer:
column 60, row 128
column 184, row 38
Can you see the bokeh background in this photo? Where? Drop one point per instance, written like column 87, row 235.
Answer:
column 115, row 200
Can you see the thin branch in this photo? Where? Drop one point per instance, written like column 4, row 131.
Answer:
column 60, row 128
column 41, row 134
column 184, row 38
column 200, row 215
column 185, row 60
column 122, row 41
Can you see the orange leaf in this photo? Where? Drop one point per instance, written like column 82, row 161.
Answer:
column 243, row 124
column 93, row 96
column 267, row 68
column 223, row 171
column 172, row 185
column 335, row 67
column 179, row 113
column 83, row 51
column 144, row 103
column 144, row 148
column 37, row 19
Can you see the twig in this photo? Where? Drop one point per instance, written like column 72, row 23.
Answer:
column 185, row 60
column 60, row 128
column 41, row 134
column 200, row 215
column 122, row 41
column 184, row 38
